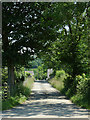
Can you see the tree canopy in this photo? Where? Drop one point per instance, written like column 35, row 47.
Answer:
column 26, row 31
column 56, row 32
column 70, row 49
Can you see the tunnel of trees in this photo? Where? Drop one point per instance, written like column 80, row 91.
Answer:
column 57, row 33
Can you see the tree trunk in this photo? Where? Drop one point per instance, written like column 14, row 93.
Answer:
column 11, row 79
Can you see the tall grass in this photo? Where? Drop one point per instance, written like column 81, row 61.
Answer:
column 20, row 94
column 28, row 82
column 76, row 89
column 58, row 80
column 58, row 84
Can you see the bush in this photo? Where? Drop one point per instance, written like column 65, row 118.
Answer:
column 20, row 93
column 60, row 74
column 12, row 101
column 68, row 82
column 44, row 76
column 83, row 86
column 19, row 74
column 80, row 101
column 70, row 92
column 69, row 86
column 27, row 74
column 21, row 90
column 24, row 88
column 78, row 90
column 78, row 85
column 4, row 75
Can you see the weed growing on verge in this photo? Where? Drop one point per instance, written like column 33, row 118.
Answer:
column 21, row 93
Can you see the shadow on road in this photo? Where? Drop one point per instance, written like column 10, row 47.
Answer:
column 45, row 102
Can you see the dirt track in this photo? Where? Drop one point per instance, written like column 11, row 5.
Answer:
column 46, row 102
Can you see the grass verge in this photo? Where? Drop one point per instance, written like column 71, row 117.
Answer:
column 21, row 93
column 78, row 99
column 58, row 84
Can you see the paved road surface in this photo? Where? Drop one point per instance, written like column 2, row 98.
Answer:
column 46, row 102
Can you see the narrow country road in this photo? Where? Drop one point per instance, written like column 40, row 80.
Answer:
column 46, row 102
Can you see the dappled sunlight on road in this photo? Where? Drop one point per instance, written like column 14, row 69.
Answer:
column 46, row 102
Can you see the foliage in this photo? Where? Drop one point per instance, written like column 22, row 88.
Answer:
column 83, row 86
column 33, row 64
column 23, row 88
column 58, row 33
column 78, row 90
column 19, row 74
column 24, row 36
column 58, row 80
column 20, row 94
column 60, row 74
column 78, row 85
column 35, row 73
column 4, row 74
column 80, row 101
column 68, row 83
column 58, row 84
column 12, row 101
column 28, row 82
column 38, row 67
column 27, row 74
column 70, row 50
column 41, row 72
